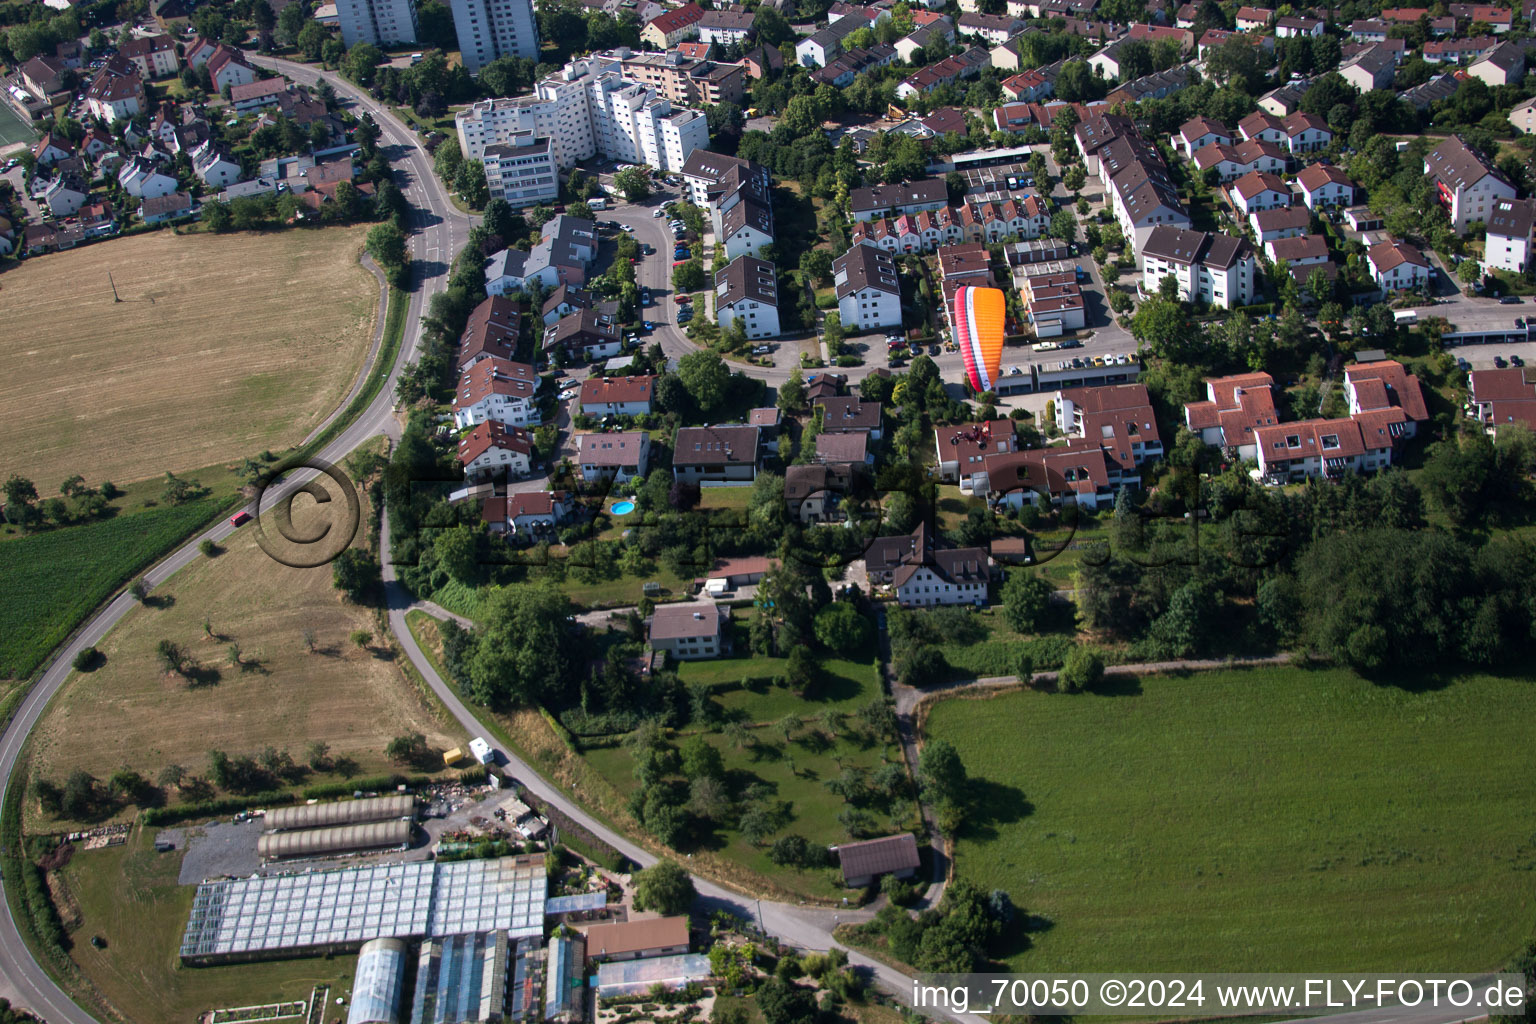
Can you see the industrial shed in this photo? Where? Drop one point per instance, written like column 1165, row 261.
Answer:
column 316, row 841
column 341, row 812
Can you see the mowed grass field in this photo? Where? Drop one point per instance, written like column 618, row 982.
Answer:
column 1272, row 820
column 128, row 711
column 128, row 895
column 223, row 345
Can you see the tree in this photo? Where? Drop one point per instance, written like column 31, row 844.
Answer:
column 386, row 244
column 410, row 748
column 524, row 652
column 784, row 1003
column 706, row 378
column 355, row 573
column 792, row 392
column 634, row 183
column 689, row 277
column 1082, row 670
column 699, row 759
column 20, row 493
column 842, row 629
column 469, row 182
column 361, row 63
column 1074, row 178
column 361, row 638
column 1026, row 601
column 664, row 888
column 941, row 773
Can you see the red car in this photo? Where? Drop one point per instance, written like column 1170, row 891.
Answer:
column 239, row 519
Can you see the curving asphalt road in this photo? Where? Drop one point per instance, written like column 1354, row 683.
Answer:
column 437, row 230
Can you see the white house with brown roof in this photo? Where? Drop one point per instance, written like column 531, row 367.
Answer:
column 618, row 457
column 635, row 940
column 718, row 454
column 1216, row 269
column 868, row 290
column 1292, row 452
column 1233, row 409
column 1508, row 242
column 497, row 389
column 1500, row 397
column 1324, row 185
column 689, row 632
column 491, row 448
column 154, row 56
column 1380, row 389
column 1397, row 265
column 1466, row 181
column 959, row 450
column 1118, row 418
column 1259, row 190
column 528, row 513
column 617, row 396
column 849, row 415
column 747, row 289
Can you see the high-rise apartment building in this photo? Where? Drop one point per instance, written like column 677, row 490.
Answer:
column 586, row 109
column 522, row 171
column 380, row 22
column 491, row 29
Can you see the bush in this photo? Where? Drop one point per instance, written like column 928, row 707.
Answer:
column 86, row 659
column 1083, row 670
column 208, row 547
column 157, row 816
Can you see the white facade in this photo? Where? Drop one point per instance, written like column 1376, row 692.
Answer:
column 761, row 318
column 1219, row 286
column 63, row 199
column 1507, row 252
column 522, row 171
column 926, row 587
column 588, row 109
column 491, row 29
column 213, row 167
column 140, row 180
column 380, row 22
column 496, row 458
column 509, row 410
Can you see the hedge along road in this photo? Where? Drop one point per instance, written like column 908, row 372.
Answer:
column 436, row 227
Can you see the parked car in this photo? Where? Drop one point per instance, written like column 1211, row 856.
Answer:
column 1462, row 364
column 658, row 214
column 761, row 350
column 1070, row 343
column 1516, row 361
column 568, row 382
column 1509, row 300
column 1499, row 362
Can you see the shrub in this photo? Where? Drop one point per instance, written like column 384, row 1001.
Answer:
column 85, row 660
column 208, row 547
column 1083, row 670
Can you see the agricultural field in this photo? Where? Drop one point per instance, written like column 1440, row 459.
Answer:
column 222, row 346
column 282, row 694
column 128, row 896
column 1271, row 820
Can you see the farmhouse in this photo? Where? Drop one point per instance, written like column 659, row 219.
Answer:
column 863, row 862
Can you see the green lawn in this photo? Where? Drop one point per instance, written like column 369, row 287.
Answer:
column 1271, row 820
column 54, row 579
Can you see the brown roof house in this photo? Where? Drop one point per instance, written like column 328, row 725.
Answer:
column 619, row 457
column 922, row 575
column 863, row 862
column 690, row 632
column 633, row 940
column 719, row 454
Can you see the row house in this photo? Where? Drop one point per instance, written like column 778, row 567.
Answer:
column 1234, row 409
column 994, row 29
column 1280, row 222
column 1457, row 51
column 1298, row 251
column 1324, row 185
column 1258, row 190
column 841, row 72
column 895, row 200
column 1200, row 132
column 497, row 389
column 1263, row 126
column 618, row 396
column 1378, row 388
column 619, row 457
column 717, row 454
column 491, row 331
column 1372, row 68
column 935, row 33
column 1306, row 133
column 527, row 513
column 1119, row 418
column 1074, row 473
column 1215, row 269
column 1502, row 65
column 1293, row 452
column 493, row 449
column 1030, row 86
column 1397, row 265
column 1249, row 157
column 946, row 72
column 1499, row 397
column 1498, row 19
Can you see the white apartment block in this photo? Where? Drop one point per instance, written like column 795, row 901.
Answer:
column 380, row 22
column 588, row 109
column 491, row 29
column 868, row 290
column 522, row 171
column 1216, row 269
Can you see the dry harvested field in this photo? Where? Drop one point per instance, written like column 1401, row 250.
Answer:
column 129, row 711
column 223, row 345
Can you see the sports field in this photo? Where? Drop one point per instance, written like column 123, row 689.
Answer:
column 13, row 129
column 1271, row 820
column 222, row 346
column 130, row 711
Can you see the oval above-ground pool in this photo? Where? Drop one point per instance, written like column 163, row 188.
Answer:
column 623, row 508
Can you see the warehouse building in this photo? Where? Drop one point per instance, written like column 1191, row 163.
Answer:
column 378, row 984
column 341, row 812
column 316, row 912
column 316, row 842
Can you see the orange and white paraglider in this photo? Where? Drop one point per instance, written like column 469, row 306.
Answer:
column 978, row 319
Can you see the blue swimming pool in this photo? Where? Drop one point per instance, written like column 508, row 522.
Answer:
column 623, row 508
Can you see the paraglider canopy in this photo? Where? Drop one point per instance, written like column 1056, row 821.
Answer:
column 978, row 319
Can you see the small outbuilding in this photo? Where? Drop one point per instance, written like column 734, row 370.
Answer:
column 863, row 862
